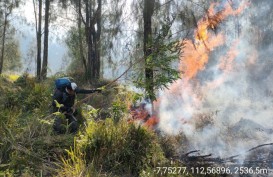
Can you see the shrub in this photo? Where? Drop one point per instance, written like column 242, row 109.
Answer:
column 115, row 148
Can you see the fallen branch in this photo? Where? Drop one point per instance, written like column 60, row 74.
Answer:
column 186, row 156
column 268, row 144
column 198, row 157
column 195, row 158
column 262, row 145
column 190, row 152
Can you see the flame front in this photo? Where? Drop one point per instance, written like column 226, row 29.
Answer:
column 196, row 53
column 193, row 59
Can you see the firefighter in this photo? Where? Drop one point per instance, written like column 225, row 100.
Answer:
column 65, row 94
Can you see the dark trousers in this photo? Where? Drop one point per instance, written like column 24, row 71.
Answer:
column 60, row 125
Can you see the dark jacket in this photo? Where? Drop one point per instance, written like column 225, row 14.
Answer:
column 62, row 97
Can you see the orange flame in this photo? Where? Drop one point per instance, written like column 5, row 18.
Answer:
column 196, row 54
column 193, row 59
column 226, row 63
column 152, row 122
column 139, row 113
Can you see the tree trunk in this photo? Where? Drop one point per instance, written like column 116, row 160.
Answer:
column 80, row 38
column 93, row 39
column 97, row 42
column 147, row 49
column 3, row 42
column 39, row 38
column 88, row 40
column 45, row 56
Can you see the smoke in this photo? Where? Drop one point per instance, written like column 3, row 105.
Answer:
column 225, row 107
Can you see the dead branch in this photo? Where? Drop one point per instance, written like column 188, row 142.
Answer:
column 262, row 145
column 198, row 157
column 268, row 144
column 191, row 152
column 217, row 160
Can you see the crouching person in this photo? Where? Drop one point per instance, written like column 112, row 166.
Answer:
column 65, row 94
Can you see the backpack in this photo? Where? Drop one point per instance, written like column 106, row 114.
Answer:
column 62, row 83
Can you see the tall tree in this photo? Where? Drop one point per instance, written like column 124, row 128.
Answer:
column 7, row 12
column 38, row 36
column 97, row 26
column 6, row 8
column 3, row 40
column 89, row 14
column 147, row 46
column 97, row 37
column 46, row 31
column 160, row 30
column 81, row 50
column 92, row 24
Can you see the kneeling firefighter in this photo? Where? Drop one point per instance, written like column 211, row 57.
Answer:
column 65, row 94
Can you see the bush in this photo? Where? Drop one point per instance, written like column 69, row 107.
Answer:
column 116, row 148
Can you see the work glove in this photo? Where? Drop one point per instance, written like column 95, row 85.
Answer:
column 98, row 90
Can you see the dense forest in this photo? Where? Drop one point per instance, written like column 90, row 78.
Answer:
column 145, row 88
